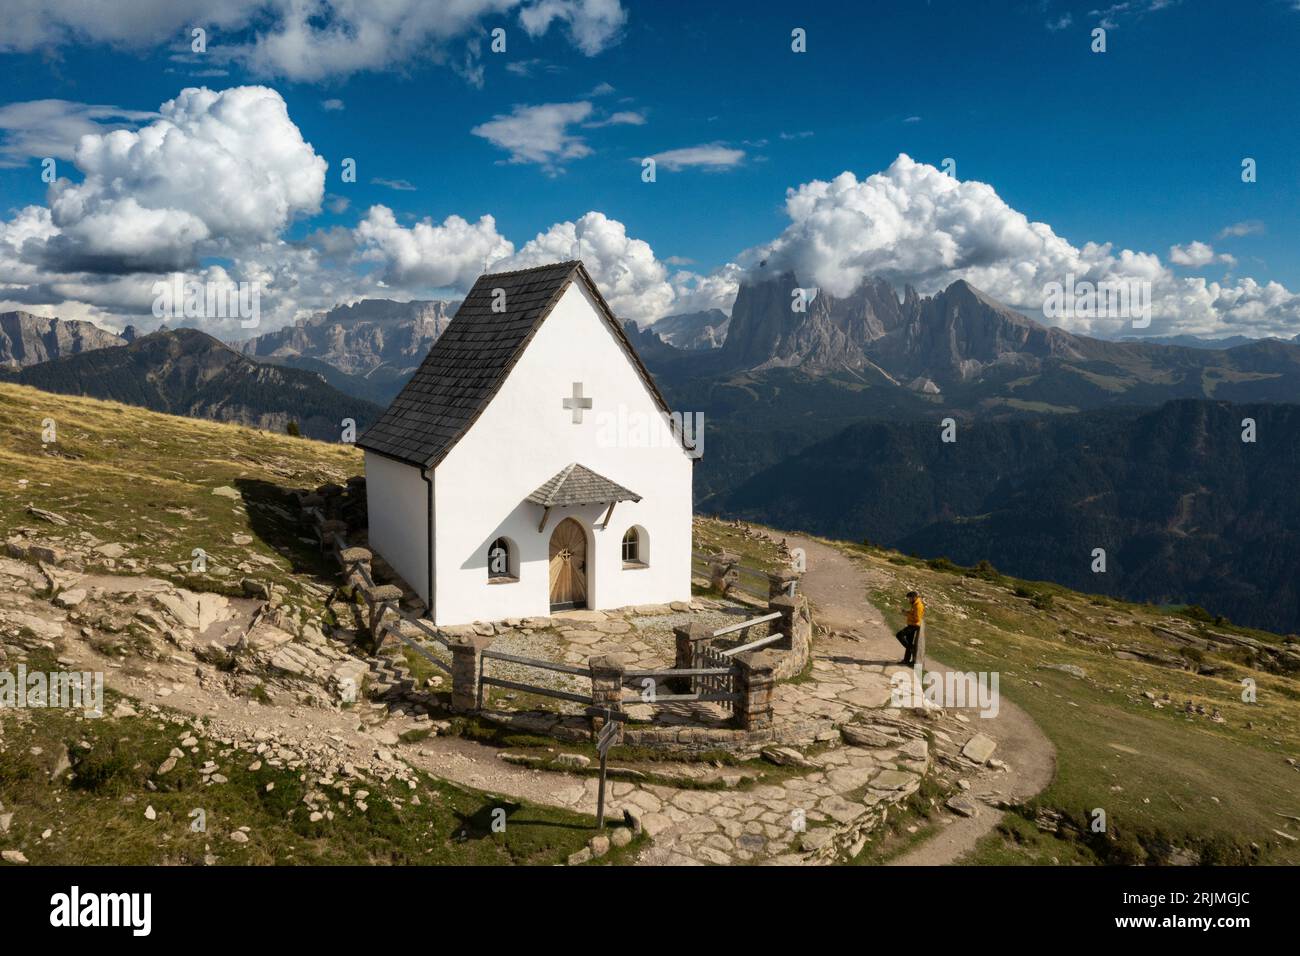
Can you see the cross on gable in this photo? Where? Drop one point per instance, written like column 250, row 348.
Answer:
column 577, row 403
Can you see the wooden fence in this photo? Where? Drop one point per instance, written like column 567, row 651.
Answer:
column 535, row 662
column 724, row 572
column 713, row 676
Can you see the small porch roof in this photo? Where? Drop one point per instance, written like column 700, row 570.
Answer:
column 579, row 485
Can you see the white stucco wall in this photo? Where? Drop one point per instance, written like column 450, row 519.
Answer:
column 397, row 500
column 523, row 438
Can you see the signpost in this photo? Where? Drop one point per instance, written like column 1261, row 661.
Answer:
column 604, row 740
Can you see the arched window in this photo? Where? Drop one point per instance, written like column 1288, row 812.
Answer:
column 501, row 562
column 634, row 548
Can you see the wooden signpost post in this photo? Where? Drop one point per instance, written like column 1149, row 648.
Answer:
column 604, row 740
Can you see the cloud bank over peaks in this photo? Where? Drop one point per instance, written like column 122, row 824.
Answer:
column 913, row 223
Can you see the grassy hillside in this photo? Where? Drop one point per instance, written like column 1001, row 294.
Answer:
column 78, row 791
column 1126, row 742
column 161, row 486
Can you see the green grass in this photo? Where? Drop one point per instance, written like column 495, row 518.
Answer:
column 1164, row 778
column 145, row 480
column 1017, row 842
column 712, row 535
column 99, row 816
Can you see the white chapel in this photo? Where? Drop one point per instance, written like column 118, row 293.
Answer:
column 512, row 477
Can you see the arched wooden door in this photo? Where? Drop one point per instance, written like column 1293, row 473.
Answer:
column 568, row 566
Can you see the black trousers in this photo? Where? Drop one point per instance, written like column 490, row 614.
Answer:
column 907, row 637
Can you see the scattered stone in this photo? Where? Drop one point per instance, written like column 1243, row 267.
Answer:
column 962, row 805
column 70, row 598
column 1071, row 669
column 785, row 757
column 49, row 516
column 894, row 780
column 239, row 836
column 572, row 761
column 979, row 748
column 13, row 856
column 150, row 813
column 871, row 737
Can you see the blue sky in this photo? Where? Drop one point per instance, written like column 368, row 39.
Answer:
column 1140, row 146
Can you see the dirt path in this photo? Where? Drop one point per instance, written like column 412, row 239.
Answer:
column 850, row 683
column 838, row 589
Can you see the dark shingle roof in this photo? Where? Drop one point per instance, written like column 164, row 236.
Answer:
column 470, row 360
column 576, row 485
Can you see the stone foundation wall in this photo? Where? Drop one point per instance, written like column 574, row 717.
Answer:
column 685, row 740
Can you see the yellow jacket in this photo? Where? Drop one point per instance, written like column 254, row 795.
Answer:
column 916, row 613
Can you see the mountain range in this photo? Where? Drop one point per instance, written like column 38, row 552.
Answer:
column 989, row 356
column 187, row 372
column 27, row 339
column 826, row 419
column 693, row 330
column 368, row 349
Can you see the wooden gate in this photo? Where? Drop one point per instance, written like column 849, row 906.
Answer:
column 714, row 686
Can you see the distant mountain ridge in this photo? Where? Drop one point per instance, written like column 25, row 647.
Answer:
column 187, row 372
column 1185, row 510
column 952, row 336
column 693, row 330
column 27, row 339
column 969, row 352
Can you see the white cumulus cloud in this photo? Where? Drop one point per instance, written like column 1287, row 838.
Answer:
column 538, row 134
column 633, row 281
column 227, row 166
column 1198, row 254
column 310, row 40
column 450, row 254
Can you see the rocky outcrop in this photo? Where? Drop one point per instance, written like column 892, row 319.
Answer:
column 360, row 338
column 27, row 339
column 925, row 342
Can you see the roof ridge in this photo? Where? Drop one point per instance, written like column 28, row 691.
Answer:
column 569, row 263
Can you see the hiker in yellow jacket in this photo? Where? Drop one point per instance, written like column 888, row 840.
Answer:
column 912, row 631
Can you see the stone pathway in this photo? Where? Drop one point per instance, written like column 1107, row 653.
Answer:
column 838, row 588
column 868, row 757
column 821, row 807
